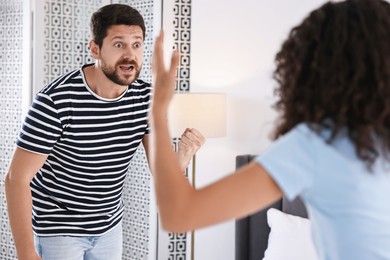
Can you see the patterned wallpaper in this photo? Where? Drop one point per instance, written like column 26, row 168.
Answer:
column 179, row 246
column 11, row 73
column 182, row 40
column 66, row 35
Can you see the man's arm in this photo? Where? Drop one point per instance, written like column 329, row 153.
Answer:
column 24, row 166
column 190, row 142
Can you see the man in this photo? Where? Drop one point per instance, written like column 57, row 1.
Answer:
column 76, row 144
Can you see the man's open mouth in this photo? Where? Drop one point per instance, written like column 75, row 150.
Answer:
column 127, row 67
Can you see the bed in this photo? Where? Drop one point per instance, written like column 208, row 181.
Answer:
column 252, row 232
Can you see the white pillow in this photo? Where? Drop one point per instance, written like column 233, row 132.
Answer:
column 290, row 237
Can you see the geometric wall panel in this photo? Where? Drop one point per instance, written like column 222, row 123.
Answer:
column 177, row 19
column 11, row 74
column 182, row 41
column 66, row 35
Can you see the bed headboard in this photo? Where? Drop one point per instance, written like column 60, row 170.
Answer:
column 252, row 231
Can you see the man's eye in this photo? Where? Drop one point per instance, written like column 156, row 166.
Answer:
column 137, row 45
column 118, row 45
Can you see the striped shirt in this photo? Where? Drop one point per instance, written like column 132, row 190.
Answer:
column 89, row 142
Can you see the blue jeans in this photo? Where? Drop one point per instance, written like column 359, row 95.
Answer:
column 105, row 247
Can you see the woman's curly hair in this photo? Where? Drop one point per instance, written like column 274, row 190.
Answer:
column 335, row 67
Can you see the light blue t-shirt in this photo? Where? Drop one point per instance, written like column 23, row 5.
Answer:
column 349, row 206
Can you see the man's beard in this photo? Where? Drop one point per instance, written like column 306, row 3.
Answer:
column 113, row 75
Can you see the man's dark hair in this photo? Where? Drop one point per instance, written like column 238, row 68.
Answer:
column 333, row 71
column 113, row 14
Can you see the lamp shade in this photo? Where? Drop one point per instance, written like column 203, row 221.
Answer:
column 204, row 111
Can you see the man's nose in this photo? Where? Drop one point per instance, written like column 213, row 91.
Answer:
column 129, row 54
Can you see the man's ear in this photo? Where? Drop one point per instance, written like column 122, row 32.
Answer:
column 94, row 48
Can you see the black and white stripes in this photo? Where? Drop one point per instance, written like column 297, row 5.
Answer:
column 90, row 142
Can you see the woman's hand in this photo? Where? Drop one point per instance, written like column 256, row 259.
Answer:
column 163, row 78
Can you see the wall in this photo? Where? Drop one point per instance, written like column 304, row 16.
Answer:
column 232, row 48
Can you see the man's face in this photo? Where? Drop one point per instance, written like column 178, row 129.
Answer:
column 121, row 54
